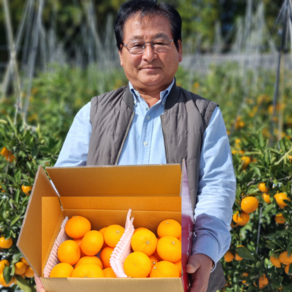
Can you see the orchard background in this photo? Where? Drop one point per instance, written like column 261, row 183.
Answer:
column 249, row 76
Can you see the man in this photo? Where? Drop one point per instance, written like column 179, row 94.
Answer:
column 152, row 121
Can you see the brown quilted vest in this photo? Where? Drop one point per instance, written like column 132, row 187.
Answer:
column 185, row 118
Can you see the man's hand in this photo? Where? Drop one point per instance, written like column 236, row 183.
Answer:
column 200, row 266
column 39, row 285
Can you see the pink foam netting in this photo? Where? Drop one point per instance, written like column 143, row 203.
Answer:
column 123, row 248
column 53, row 257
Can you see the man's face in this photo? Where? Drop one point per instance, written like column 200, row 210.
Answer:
column 149, row 71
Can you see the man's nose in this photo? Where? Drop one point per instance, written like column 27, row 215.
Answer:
column 149, row 52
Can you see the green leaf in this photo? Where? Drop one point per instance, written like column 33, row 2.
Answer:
column 245, row 253
column 23, row 284
column 14, row 220
column 7, row 274
column 246, row 177
column 267, row 209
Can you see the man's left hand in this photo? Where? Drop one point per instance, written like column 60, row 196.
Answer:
column 199, row 266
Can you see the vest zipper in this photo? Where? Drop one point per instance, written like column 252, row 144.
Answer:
column 165, row 144
column 124, row 139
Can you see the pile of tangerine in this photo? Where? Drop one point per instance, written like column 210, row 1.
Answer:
column 88, row 253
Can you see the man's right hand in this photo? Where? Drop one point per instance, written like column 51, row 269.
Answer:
column 39, row 285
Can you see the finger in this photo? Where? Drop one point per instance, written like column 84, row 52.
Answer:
column 39, row 285
column 192, row 264
column 200, row 281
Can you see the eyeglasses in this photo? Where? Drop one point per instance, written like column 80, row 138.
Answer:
column 137, row 47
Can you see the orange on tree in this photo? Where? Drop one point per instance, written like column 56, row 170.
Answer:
column 245, row 275
column 3, row 264
column 87, row 271
column 113, row 234
column 249, row 204
column 69, row 252
column 275, row 261
column 266, row 198
column 24, row 261
column 169, row 227
column 263, row 281
column 26, row 189
column 284, row 259
column 5, row 243
column 262, row 187
column 240, row 218
column 7, row 154
column 287, row 270
column 29, row 273
column 20, row 268
column 3, row 283
column 137, row 265
column 105, row 256
column 164, row 269
column 246, row 161
column 280, row 197
column 145, row 241
column 237, row 257
column 280, row 219
column 91, row 242
column 179, row 267
column 228, row 257
column 169, row 249
column 77, row 226
column 62, row 270
column 89, row 260
column 109, row 273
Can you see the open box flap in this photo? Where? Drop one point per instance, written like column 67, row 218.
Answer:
column 30, row 237
column 138, row 180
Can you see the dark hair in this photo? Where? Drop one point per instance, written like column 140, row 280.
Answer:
column 147, row 7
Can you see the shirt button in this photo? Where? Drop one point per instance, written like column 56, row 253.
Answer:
column 145, row 143
column 148, row 117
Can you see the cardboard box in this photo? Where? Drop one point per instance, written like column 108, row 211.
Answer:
column 104, row 195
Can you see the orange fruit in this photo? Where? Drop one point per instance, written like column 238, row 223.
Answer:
column 105, row 256
column 246, row 161
column 266, row 198
column 77, row 226
column 145, row 241
column 140, row 228
column 284, row 259
column 164, row 269
column 263, row 281
column 276, row 262
column 242, row 219
column 113, row 234
column 89, row 260
column 279, row 197
column 62, row 270
column 157, row 255
column 3, row 264
column 29, row 273
column 237, row 257
column 24, row 261
column 280, row 219
column 69, row 252
column 169, row 249
column 87, row 271
column 3, row 283
column 7, row 154
column 78, row 241
column 102, row 230
column 169, row 227
column 109, row 273
column 153, row 260
column 91, row 242
column 287, row 270
column 244, row 275
column 249, row 204
column 228, row 257
column 262, row 187
column 26, row 189
column 137, row 265
column 179, row 267
column 5, row 243
column 20, row 268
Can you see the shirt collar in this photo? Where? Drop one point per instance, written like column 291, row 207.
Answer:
column 163, row 94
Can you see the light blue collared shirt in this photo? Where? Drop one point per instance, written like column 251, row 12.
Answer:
column 145, row 145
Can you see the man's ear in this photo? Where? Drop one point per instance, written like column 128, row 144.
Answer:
column 121, row 57
column 179, row 50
